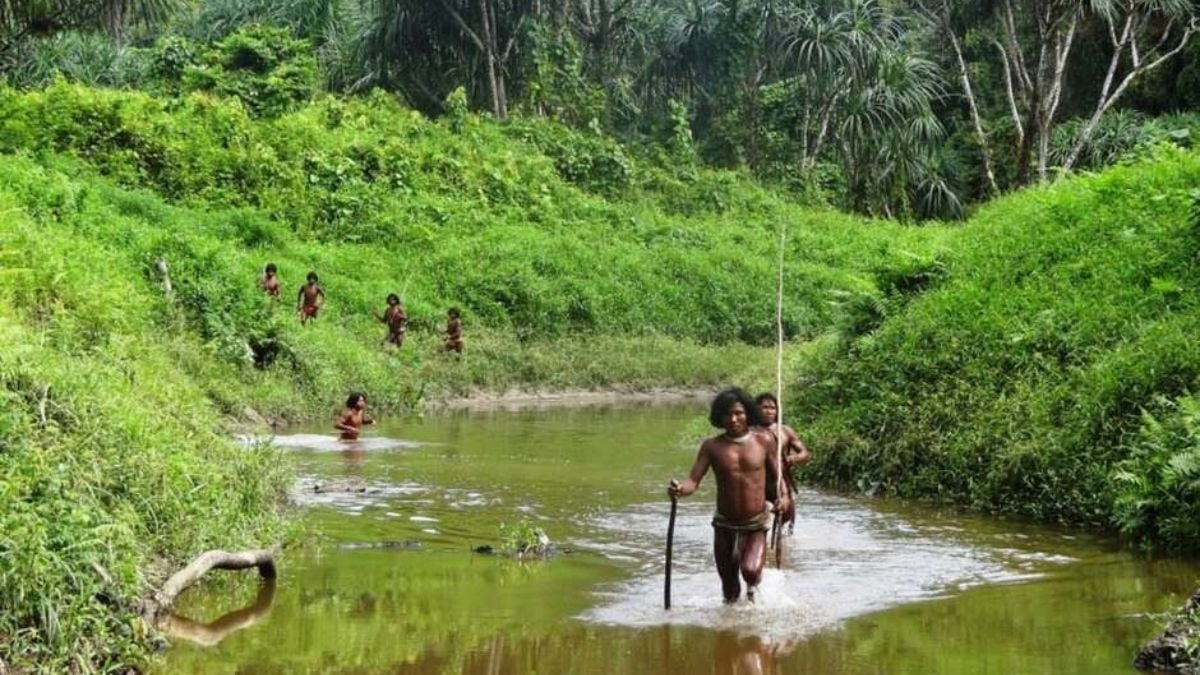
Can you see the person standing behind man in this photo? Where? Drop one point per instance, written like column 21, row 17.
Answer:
column 309, row 299
column 396, row 319
column 743, row 460
column 795, row 453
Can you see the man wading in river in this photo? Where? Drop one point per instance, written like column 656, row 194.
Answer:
column 744, row 462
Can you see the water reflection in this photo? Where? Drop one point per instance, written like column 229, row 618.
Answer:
column 866, row 587
column 735, row 654
column 214, row 632
column 353, row 456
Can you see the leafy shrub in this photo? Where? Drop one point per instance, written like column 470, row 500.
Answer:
column 265, row 67
column 1123, row 135
column 79, row 56
column 590, row 161
column 523, row 539
column 1158, row 487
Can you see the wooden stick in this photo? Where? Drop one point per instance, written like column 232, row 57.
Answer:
column 670, row 544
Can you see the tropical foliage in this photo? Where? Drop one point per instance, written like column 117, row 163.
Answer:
column 580, row 177
column 912, row 109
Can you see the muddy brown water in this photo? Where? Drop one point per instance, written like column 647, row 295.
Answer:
column 867, row 586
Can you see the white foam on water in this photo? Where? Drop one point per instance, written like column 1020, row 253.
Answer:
column 330, row 443
column 844, row 560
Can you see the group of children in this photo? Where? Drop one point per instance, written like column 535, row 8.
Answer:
column 311, row 297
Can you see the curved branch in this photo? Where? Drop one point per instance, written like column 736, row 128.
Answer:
column 263, row 559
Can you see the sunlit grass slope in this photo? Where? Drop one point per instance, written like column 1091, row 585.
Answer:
column 1047, row 370
column 539, row 233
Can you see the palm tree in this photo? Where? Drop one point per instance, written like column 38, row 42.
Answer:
column 862, row 96
column 418, row 43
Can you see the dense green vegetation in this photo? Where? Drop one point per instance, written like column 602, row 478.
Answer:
column 560, row 169
column 904, row 108
column 575, row 265
column 1048, row 368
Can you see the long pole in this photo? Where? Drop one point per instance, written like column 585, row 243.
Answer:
column 780, row 484
column 670, row 544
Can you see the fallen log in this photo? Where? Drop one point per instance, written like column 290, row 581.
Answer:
column 263, row 559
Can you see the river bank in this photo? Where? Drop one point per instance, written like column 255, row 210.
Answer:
column 519, row 399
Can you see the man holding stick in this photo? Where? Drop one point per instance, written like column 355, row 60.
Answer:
column 744, row 461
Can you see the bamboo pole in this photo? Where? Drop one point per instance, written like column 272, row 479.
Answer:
column 780, row 484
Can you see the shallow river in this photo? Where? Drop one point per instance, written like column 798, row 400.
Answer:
column 866, row 586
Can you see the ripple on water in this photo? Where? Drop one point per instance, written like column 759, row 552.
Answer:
column 322, row 443
column 351, row 496
column 843, row 561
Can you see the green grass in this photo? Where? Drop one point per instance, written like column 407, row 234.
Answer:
column 1046, row 372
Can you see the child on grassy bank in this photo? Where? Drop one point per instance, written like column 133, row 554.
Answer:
column 309, row 299
column 396, row 319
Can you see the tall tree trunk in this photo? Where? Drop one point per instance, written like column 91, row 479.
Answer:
column 1107, row 99
column 489, row 54
column 1062, row 51
column 114, row 21
column 1025, row 148
column 969, row 92
column 1010, row 90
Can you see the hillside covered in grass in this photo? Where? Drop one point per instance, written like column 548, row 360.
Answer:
column 576, row 265
column 1048, row 368
column 538, row 233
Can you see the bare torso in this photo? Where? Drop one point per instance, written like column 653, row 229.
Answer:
column 396, row 319
column 350, row 423
column 741, row 471
column 310, row 293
